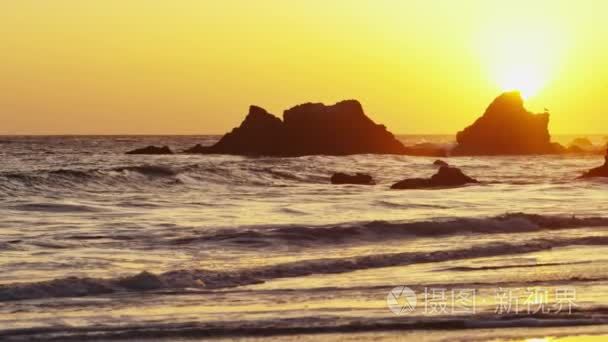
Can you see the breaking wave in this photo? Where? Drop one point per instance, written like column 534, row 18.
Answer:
column 212, row 279
column 594, row 319
column 298, row 235
column 154, row 176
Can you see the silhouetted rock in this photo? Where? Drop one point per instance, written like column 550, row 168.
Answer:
column 413, row 183
column 198, row 148
column 601, row 171
column 152, row 150
column 359, row 178
column 580, row 145
column 506, row 128
column 440, row 163
column 575, row 149
column 308, row 129
column 261, row 133
column 451, row 176
column 341, row 129
column 583, row 143
column 446, row 177
column 558, row 148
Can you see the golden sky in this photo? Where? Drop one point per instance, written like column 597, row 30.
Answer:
column 194, row 66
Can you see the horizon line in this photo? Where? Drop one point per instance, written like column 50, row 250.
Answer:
column 221, row 134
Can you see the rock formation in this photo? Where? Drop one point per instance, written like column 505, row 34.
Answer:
column 446, row 177
column 580, row 145
column 601, row 171
column 358, row 178
column 261, row 133
column 152, row 150
column 440, row 163
column 307, row 129
column 198, row 148
column 506, row 128
column 341, row 129
column 583, row 143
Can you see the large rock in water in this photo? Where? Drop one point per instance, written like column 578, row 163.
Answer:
column 308, row 129
column 151, row 150
column 601, row 171
column 261, row 133
column 341, row 129
column 506, row 128
column 447, row 176
column 358, row 178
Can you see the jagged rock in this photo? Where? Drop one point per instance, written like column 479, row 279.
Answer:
column 601, row 171
column 198, row 148
column 558, row 148
column 261, row 133
column 575, row 149
column 440, row 163
column 413, row 183
column 506, row 128
column 583, row 143
column 358, row 178
column 580, row 145
column 451, row 176
column 152, row 150
column 308, row 129
column 446, row 177
column 341, row 129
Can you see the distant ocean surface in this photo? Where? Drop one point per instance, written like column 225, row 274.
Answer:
column 96, row 243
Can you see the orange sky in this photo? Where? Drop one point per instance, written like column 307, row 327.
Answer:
column 194, row 66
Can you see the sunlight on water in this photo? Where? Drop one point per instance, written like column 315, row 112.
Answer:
column 269, row 243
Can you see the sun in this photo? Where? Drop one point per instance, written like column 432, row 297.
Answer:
column 528, row 79
column 521, row 57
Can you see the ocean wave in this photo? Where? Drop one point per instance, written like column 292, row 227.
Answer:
column 155, row 176
column 212, row 279
column 9, row 245
column 149, row 170
column 55, row 208
column 393, row 205
column 375, row 231
column 594, row 319
column 502, row 267
column 71, row 173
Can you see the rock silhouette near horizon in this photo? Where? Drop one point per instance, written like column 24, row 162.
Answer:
column 584, row 146
column 507, row 128
column 261, row 133
column 447, row 176
column 151, row 150
column 440, row 163
column 601, row 171
column 307, row 129
column 358, row 178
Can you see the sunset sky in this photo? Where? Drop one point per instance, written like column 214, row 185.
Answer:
column 194, row 66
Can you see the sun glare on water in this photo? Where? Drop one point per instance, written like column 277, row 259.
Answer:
column 522, row 58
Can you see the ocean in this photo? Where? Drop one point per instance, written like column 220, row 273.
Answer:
column 97, row 244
